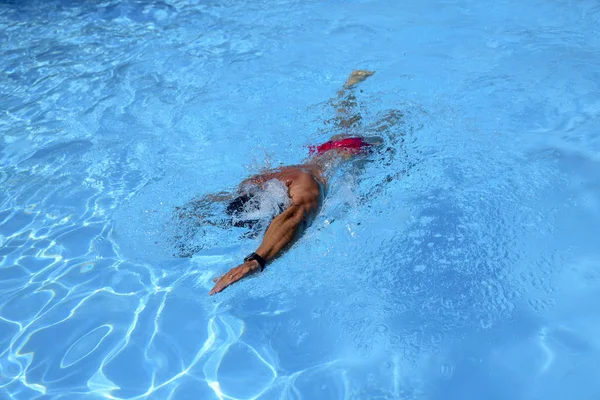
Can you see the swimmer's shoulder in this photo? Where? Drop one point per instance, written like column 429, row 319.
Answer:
column 298, row 176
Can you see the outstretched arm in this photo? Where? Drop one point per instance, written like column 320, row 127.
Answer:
column 282, row 231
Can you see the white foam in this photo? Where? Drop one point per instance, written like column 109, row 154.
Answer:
column 268, row 202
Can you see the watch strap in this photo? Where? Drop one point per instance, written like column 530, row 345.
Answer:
column 254, row 256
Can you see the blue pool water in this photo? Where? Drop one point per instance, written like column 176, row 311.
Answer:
column 464, row 264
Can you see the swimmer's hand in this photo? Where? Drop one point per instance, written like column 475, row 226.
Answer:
column 234, row 275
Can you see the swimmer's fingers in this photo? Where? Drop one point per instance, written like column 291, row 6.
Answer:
column 226, row 280
column 221, row 284
column 234, row 275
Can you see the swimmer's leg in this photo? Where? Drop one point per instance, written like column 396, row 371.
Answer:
column 356, row 77
column 347, row 109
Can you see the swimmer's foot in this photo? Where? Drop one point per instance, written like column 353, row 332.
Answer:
column 357, row 76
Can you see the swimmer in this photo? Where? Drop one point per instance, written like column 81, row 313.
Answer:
column 306, row 185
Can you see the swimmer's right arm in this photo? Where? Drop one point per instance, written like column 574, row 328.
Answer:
column 221, row 196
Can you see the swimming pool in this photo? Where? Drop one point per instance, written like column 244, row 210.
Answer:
column 464, row 265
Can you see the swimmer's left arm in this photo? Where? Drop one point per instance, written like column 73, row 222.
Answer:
column 282, row 231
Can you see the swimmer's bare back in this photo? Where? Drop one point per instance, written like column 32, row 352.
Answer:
column 306, row 192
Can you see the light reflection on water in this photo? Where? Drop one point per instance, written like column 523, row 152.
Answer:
column 462, row 264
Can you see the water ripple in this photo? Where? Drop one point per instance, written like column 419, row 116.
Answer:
column 462, row 259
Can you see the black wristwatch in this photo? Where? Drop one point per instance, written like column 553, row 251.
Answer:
column 254, row 256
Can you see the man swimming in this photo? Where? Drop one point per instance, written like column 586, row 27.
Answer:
column 306, row 185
